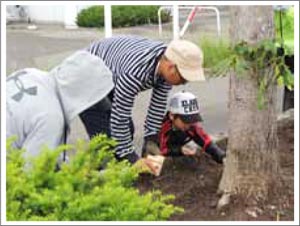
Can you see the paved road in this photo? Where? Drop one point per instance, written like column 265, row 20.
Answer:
column 48, row 45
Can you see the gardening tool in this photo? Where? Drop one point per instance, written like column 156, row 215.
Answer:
column 156, row 162
column 151, row 164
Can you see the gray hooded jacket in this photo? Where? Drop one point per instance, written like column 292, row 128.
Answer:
column 41, row 105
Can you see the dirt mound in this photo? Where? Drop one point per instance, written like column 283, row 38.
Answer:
column 194, row 182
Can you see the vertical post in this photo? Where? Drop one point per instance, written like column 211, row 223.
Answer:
column 107, row 21
column 175, row 22
column 159, row 21
column 70, row 14
column 218, row 22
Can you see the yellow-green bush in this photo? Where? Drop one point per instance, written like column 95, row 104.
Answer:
column 79, row 191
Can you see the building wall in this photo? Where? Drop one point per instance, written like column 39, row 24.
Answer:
column 46, row 13
column 50, row 14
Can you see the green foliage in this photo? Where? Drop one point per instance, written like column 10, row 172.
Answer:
column 287, row 17
column 79, row 191
column 216, row 50
column 255, row 60
column 91, row 17
column 122, row 16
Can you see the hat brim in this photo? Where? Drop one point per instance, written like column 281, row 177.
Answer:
column 192, row 75
column 191, row 118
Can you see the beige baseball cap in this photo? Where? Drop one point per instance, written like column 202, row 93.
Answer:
column 188, row 58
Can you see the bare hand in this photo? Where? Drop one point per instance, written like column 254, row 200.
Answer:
column 188, row 151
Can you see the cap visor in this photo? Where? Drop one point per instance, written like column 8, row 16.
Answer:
column 192, row 75
column 191, row 118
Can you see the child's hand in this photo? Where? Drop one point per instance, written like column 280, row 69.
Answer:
column 188, row 151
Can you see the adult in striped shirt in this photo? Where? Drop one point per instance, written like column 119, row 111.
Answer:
column 138, row 64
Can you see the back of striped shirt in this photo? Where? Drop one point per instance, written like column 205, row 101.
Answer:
column 133, row 61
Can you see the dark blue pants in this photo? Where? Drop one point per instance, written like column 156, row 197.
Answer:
column 96, row 119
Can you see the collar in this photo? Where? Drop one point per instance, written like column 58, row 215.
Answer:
column 156, row 69
column 156, row 75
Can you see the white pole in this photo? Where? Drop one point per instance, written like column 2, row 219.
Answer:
column 70, row 14
column 159, row 20
column 175, row 22
column 188, row 21
column 107, row 21
column 218, row 22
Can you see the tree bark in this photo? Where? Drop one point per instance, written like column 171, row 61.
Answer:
column 252, row 162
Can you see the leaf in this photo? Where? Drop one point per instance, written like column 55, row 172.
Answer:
column 280, row 81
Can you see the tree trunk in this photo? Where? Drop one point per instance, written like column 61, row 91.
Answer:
column 252, row 162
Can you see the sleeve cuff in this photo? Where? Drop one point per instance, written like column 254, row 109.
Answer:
column 132, row 157
column 153, row 137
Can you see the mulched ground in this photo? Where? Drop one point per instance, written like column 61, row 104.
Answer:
column 194, row 182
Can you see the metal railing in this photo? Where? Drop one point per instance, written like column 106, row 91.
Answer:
column 190, row 17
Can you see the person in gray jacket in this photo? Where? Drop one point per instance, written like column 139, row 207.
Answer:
column 41, row 105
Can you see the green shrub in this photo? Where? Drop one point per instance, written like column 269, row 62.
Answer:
column 214, row 50
column 122, row 16
column 91, row 17
column 79, row 191
column 287, row 17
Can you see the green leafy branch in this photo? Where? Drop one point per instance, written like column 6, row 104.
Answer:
column 257, row 60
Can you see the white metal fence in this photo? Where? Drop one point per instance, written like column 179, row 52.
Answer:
column 177, row 32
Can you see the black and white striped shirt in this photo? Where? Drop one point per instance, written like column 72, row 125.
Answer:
column 133, row 61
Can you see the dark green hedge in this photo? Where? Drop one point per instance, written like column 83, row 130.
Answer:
column 122, row 16
column 91, row 17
